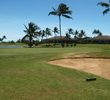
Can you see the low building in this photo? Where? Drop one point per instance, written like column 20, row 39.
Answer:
column 98, row 39
column 57, row 39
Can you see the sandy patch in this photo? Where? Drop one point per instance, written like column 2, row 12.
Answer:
column 97, row 66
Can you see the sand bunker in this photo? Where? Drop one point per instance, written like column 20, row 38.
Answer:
column 97, row 66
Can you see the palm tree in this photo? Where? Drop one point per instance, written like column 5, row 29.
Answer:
column 70, row 31
column 1, row 39
column 67, row 37
column 55, row 32
column 75, row 34
column 97, row 32
column 31, row 31
column 4, row 37
column 81, row 35
column 43, row 34
column 103, row 4
column 94, row 32
column 62, row 10
column 39, row 34
column 100, row 34
column 47, row 32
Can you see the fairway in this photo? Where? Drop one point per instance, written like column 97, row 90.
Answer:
column 26, row 75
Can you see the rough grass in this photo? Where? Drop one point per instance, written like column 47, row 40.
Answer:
column 25, row 75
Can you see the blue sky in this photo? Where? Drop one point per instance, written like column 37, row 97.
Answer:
column 86, row 15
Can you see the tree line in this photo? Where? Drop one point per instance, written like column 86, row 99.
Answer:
column 33, row 31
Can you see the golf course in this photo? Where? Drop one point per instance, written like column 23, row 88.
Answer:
column 25, row 73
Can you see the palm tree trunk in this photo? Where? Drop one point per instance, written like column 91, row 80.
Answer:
column 46, row 40
column 42, row 40
column 55, row 39
column 30, row 39
column 60, row 28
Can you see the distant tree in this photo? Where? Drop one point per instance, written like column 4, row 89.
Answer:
column 62, row 10
column 18, row 41
column 97, row 32
column 25, row 40
column 67, row 37
column 103, row 4
column 0, row 39
column 56, row 31
column 4, row 37
column 31, row 31
column 100, row 34
column 81, row 35
column 38, row 35
column 70, row 31
column 12, row 41
column 76, row 34
column 48, row 33
column 43, row 34
column 94, row 32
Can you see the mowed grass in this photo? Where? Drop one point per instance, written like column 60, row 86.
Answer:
column 25, row 75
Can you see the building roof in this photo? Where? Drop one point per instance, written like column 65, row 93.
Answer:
column 100, row 38
column 57, row 37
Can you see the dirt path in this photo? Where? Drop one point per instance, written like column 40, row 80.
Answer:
column 97, row 66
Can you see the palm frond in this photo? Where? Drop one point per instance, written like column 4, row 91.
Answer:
column 55, row 30
column 33, row 27
column 67, row 16
column 27, row 30
column 62, row 10
column 82, row 32
column 76, row 33
column 52, row 13
column 106, row 11
column 25, row 37
column 68, row 12
column 54, row 9
column 103, row 4
column 48, row 32
column 37, row 33
column 95, row 31
column 43, row 33
column 4, row 37
column 70, row 31
column 67, row 35
column 35, row 36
